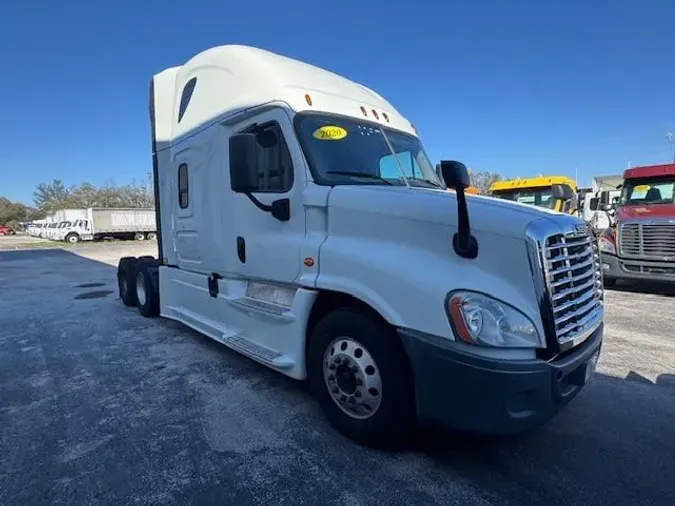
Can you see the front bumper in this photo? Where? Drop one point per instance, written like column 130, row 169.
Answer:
column 614, row 267
column 490, row 396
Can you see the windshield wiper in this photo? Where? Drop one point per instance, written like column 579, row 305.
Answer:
column 429, row 181
column 358, row 174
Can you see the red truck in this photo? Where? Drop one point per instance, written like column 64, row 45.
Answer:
column 5, row 230
column 641, row 244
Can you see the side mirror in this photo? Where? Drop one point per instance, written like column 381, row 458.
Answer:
column 456, row 176
column 244, row 149
column 243, row 163
column 606, row 207
column 562, row 191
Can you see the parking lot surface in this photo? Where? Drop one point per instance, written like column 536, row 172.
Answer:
column 99, row 405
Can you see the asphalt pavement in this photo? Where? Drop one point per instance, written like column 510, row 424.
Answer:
column 99, row 405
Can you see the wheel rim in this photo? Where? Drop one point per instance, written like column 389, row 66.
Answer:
column 352, row 378
column 140, row 289
column 72, row 239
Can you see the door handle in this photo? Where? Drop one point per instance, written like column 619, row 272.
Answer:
column 241, row 249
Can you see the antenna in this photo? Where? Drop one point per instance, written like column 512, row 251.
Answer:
column 671, row 139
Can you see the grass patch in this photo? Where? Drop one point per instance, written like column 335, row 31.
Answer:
column 7, row 246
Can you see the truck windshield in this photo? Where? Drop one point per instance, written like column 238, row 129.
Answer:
column 646, row 192
column 540, row 197
column 343, row 150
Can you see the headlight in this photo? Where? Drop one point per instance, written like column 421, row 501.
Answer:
column 606, row 245
column 484, row 321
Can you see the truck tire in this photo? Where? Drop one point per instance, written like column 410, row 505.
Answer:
column 72, row 238
column 139, row 236
column 361, row 377
column 151, row 236
column 126, row 270
column 147, row 293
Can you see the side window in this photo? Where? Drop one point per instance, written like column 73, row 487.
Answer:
column 275, row 167
column 186, row 96
column 183, row 198
column 389, row 166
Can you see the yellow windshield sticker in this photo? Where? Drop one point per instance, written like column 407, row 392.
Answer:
column 642, row 188
column 330, row 133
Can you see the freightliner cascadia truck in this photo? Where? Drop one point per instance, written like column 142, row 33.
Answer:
column 302, row 224
column 640, row 246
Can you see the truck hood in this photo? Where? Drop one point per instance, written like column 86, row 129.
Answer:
column 652, row 211
column 486, row 214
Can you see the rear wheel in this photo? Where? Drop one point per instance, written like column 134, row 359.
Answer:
column 139, row 237
column 152, row 236
column 126, row 270
column 360, row 374
column 147, row 294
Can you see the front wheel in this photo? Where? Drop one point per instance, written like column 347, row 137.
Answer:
column 72, row 238
column 360, row 374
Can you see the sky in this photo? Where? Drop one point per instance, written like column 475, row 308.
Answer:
column 520, row 87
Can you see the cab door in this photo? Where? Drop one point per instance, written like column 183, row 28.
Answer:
column 267, row 248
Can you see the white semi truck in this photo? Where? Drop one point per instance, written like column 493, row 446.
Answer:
column 99, row 223
column 302, row 224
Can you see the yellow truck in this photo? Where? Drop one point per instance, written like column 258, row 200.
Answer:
column 553, row 192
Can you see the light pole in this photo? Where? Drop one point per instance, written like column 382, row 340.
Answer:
column 671, row 139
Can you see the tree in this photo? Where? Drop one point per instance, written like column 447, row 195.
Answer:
column 483, row 180
column 50, row 197
column 12, row 213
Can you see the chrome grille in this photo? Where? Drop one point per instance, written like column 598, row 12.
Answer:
column 573, row 278
column 629, row 239
column 658, row 240
column 648, row 240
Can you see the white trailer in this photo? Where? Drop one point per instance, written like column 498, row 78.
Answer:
column 599, row 203
column 119, row 223
column 302, row 224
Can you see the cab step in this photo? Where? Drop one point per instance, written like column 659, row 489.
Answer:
column 251, row 305
column 257, row 352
